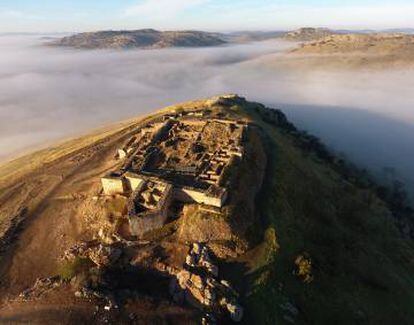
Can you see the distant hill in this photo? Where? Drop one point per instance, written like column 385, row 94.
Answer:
column 376, row 43
column 144, row 38
column 347, row 51
column 253, row 36
column 308, row 34
column 301, row 35
column 400, row 30
column 377, row 49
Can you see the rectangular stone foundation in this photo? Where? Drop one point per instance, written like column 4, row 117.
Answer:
column 142, row 222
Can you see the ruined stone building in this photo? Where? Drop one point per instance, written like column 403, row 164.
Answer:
column 182, row 157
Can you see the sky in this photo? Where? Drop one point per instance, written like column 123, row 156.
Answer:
column 214, row 15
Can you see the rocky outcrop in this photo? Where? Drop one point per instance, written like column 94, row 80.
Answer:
column 198, row 284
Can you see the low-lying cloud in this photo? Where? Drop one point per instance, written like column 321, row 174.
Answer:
column 50, row 93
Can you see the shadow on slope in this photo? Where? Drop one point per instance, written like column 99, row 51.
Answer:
column 378, row 143
column 360, row 267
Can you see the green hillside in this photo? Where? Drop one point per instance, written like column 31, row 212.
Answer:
column 356, row 268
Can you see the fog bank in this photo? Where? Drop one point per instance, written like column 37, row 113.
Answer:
column 50, row 93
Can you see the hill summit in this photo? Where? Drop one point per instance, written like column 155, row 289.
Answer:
column 342, row 51
column 143, row 38
column 308, row 34
column 217, row 210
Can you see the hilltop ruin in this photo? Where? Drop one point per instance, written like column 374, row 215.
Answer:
column 181, row 157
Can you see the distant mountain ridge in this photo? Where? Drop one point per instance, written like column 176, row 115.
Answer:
column 143, row 38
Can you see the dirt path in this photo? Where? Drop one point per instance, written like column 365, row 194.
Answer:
column 54, row 195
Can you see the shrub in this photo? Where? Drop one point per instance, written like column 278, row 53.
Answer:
column 70, row 269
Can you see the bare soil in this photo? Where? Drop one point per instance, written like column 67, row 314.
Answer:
column 61, row 210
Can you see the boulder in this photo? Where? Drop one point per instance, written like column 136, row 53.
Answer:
column 197, row 281
column 196, row 249
column 104, row 255
column 190, row 260
column 208, row 319
column 211, row 282
column 204, row 255
column 183, row 278
column 211, row 268
column 236, row 312
column 121, row 153
column 209, row 293
column 207, row 302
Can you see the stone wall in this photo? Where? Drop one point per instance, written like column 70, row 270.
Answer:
column 113, row 185
column 187, row 195
column 143, row 223
column 133, row 180
column 140, row 223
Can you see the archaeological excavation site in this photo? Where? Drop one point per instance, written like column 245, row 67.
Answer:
column 151, row 215
column 178, row 167
column 183, row 159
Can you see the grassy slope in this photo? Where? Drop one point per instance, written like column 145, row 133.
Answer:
column 362, row 269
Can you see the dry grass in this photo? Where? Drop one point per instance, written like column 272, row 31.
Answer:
column 23, row 165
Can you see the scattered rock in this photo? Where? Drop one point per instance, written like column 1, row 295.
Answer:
column 190, row 260
column 197, row 281
column 197, row 285
column 236, row 312
column 41, row 286
column 100, row 254
column 208, row 319
column 104, row 255
column 303, row 269
column 196, row 249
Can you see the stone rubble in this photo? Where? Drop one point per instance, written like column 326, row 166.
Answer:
column 41, row 286
column 100, row 254
column 197, row 284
